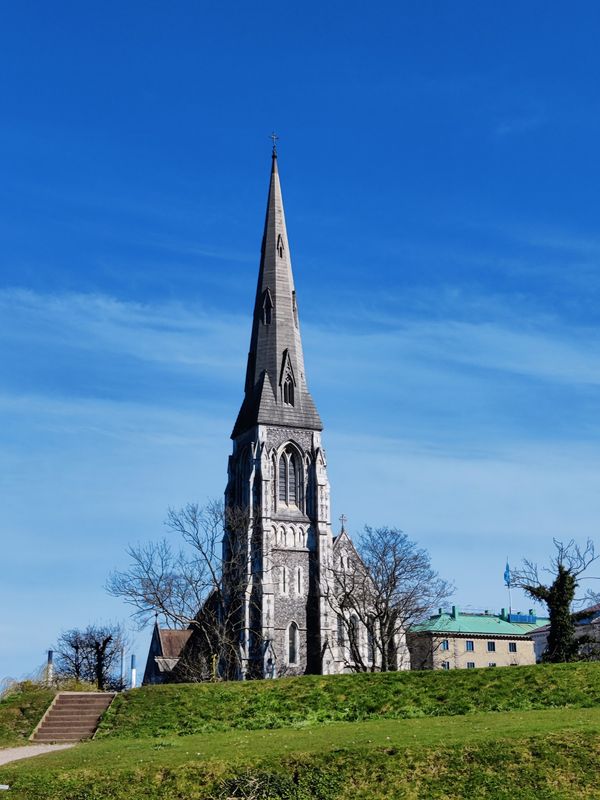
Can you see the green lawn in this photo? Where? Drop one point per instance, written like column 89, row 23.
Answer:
column 549, row 754
column 526, row 732
column 310, row 700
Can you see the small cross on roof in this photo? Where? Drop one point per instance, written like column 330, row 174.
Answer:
column 274, row 139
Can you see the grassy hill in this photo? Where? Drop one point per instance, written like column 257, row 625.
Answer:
column 21, row 708
column 299, row 702
column 506, row 733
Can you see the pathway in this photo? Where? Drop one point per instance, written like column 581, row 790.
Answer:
column 29, row 750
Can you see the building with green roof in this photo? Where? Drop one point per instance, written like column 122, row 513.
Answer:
column 465, row 640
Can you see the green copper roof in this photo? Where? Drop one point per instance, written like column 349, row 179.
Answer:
column 482, row 624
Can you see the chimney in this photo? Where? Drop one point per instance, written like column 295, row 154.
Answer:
column 455, row 612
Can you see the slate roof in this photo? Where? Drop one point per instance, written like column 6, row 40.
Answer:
column 275, row 344
column 172, row 642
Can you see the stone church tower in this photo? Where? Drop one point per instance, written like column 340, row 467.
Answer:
column 278, row 475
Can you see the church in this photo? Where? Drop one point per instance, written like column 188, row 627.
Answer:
column 285, row 553
column 278, row 471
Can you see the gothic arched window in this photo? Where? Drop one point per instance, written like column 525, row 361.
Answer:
column 289, row 478
column 371, row 640
column 288, row 391
column 292, row 643
column 354, row 632
column 267, row 307
column 341, row 638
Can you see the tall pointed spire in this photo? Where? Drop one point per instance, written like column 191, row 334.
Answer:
column 276, row 392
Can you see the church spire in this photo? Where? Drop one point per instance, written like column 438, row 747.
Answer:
column 276, row 392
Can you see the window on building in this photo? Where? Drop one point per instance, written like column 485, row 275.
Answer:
column 283, row 478
column 470, row 665
column 292, row 480
column 299, row 580
column 491, row 647
column 371, row 641
column 341, row 639
column 354, row 631
column 445, row 644
column 445, row 665
column 284, row 580
column 288, row 391
column 292, row 643
column 289, row 478
column 469, row 646
column 512, row 647
column 491, row 664
column 267, row 308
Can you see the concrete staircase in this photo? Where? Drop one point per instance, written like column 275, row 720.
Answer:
column 73, row 716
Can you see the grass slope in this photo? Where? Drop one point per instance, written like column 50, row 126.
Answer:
column 21, row 708
column 551, row 754
column 525, row 732
column 296, row 702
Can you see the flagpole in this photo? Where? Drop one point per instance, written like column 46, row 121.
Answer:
column 507, row 581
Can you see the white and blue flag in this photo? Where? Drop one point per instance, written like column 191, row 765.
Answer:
column 507, row 574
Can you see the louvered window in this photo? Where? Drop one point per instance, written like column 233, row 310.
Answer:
column 283, row 463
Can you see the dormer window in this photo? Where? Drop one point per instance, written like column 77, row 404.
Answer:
column 280, row 246
column 267, row 308
column 287, row 381
column 288, row 391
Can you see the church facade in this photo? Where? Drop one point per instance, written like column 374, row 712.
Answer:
column 278, row 475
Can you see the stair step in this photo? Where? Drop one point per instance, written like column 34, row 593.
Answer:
column 73, row 717
column 75, row 733
column 66, row 726
column 80, row 704
column 70, row 712
column 63, row 737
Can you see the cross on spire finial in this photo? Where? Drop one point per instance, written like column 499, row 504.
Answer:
column 274, row 139
column 343, row 520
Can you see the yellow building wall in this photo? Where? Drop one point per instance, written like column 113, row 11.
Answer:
column 458, row 656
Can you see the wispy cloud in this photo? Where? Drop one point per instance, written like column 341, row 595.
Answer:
column 191, row 337
column 518, row 125
column 172, row 334
column 485, row 379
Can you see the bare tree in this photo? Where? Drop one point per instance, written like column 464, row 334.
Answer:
column 72, row 655
column 378, row 590
column 92, row 654
column 199, row 585
column 566, row 568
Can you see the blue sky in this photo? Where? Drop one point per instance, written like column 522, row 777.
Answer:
column 439, row 164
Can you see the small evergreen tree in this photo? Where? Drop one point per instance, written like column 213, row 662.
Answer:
column 566, row 567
